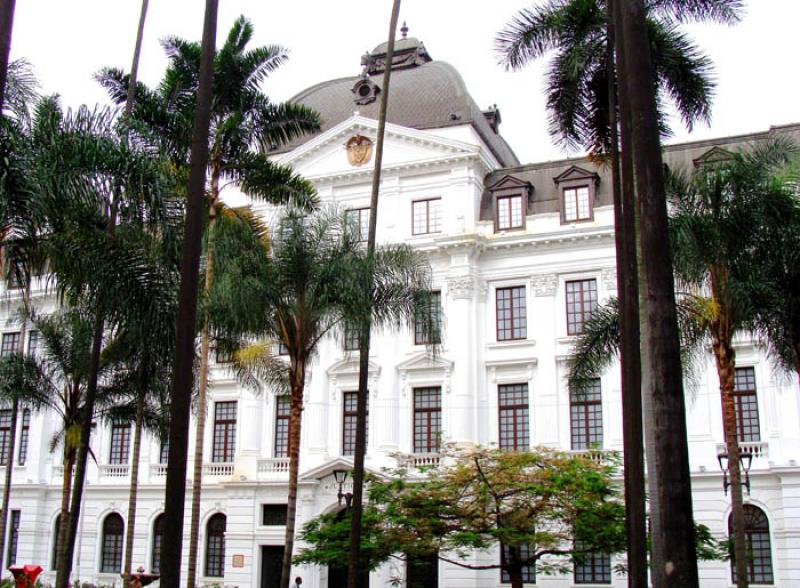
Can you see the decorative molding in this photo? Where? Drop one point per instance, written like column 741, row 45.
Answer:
column 461, row 287
column 609, row 277
column 544, row 284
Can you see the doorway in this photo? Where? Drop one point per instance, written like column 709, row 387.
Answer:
column 271, row 565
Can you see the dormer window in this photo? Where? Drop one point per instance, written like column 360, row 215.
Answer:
column 577, row 194
column 510, row 203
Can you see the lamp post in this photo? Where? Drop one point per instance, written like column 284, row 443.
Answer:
column 341, row 477
column 745, row 460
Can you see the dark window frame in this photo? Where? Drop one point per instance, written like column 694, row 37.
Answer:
column 269, row 512
column 592, row 568
column 113, row 538
column 577, row 314
column 511, row 196
column 421, row 332
column 214, row 561
column 427, row 421
column 349, row 413
column 119, row 449
column 426, row 203
column 223, row 443
column 511, row 409
column 586, row 417
column 573, row 190
column 528, row 570
column 9, row 343
column 511, row 333
column 283, row 407
column 155, row 545
column 745, row 399
column 351, row 340
column 760, row 567
column 13, row 537
column 361, row 217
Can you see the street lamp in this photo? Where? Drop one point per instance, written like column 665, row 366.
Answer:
column 341, row 477
column 745, row 461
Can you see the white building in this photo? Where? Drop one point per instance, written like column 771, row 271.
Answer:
column 511, row 245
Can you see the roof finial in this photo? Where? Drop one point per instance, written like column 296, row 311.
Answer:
column 404, row 30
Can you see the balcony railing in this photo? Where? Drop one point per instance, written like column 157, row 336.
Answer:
column 158, row 470
column 273, row 466
column 423, row 460
column 218, row 470
column 754, row 448
column 114, row 470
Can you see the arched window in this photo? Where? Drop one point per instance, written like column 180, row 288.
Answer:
column 759, row 551
column 54, row 554
column 113, row 534
column 158, row 534
column 215, row 546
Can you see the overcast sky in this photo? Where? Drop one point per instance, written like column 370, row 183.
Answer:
column 67, row 42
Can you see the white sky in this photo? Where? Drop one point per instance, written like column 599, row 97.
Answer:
column 67, row 42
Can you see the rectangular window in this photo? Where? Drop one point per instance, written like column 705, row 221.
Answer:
column 5, row 435
column 274, row 515
column 510, row 212
column 577, row 204
column 16, row 277
column 282, row 349
column 528, row 569
column 13, row 537
column 350, row 404
column 514, row 417
column 586, row 417
column 746, row 402
column 512, row 313
column 120, row 442
column 427, row 419
column 163, row 451
column 283, row 405
column 592, row 568
column 22, row 455
column 33, row 343
column 224, row 443
column 352, row 342
column 222, row 356
column 358, row 219
column 581, row 302
column 10, row 343
column 428, row 323
column 427, row 216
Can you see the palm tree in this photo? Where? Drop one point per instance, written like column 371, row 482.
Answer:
column 244, row 126
column 306, row 283
column 722, row 215
column 584, row 97
column 6, row 25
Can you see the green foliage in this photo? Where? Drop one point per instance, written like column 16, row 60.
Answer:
column 559, row 504
column 577, row 77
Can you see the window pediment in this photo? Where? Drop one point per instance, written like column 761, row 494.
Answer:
column 577, row 174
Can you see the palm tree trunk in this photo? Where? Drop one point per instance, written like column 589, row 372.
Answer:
column 295, row 422
column 137, row 51
column 62, row 578
column 630, row 364
column 202, row 401
column 133, row 493
column 673, row 528
column 180, row 406
column 6, row 25
column 353, row 572
column 63, row 526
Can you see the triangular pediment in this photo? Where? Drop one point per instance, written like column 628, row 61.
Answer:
column 348, row 148
column 349, row 366
column 576, row 173
column 425, row 361
column 326, row 469
column 713, row 156
column 509, row 182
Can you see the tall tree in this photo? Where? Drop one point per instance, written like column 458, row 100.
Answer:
column 175, row 491
column 6, row 26
column 306, row 283
column 673, row 527
column 583, row 101
column 353, row 572
column 244, row 124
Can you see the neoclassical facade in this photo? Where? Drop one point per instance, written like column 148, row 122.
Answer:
column 521, row 254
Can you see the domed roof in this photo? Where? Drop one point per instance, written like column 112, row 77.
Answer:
column 425, row 94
